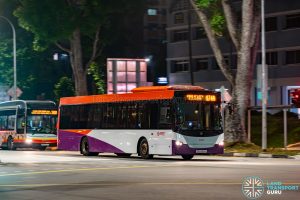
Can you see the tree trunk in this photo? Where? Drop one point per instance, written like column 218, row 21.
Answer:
column 235, row 127
column 232, row 123
column 79, row 71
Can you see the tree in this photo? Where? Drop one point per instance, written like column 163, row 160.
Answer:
column 75, row 26
column 242, row 22
column 64, row 88
column 36, row 71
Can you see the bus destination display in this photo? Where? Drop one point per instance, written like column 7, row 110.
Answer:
column 201, row 97
column 44, row 112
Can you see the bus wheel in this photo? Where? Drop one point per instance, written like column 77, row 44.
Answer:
column 144, row 149
column 42, row 148
column 10, row 144
column 84, row 148
column 187, row 157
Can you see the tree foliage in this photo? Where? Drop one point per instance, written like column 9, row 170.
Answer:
column 64, row 88
column 78, row 27
column 36, row 71
column 97, row 74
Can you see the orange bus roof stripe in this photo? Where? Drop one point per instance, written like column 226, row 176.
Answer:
column 140, row 96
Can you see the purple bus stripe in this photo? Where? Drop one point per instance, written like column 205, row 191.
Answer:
column 71, row 141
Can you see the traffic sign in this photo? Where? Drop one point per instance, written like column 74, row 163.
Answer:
column 11, row 92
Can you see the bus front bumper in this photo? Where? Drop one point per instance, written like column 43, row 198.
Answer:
column 184, row 149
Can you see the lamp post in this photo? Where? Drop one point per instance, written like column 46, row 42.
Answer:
column 14, row 54
column 264, row 78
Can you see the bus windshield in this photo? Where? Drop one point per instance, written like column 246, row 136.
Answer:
column 198, row 116
column 41, row 124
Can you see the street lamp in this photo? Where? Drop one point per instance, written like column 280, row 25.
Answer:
column 15, row 57
column 264, row 78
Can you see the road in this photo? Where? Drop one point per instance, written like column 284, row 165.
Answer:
column 64, row 175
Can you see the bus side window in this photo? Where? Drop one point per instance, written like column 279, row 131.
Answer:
column 154, row 115
column 3, row 123
column 20, row 124
column 132, row 116
column 11, row 122
column 165, row 117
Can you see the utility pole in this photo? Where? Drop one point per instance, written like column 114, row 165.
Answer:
column 15, row 56
column 264, row 78
column 190, row 44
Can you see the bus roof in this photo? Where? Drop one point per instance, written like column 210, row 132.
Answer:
column 138, row 94
column 28, row 103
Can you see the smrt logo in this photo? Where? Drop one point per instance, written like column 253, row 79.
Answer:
column 253, row 187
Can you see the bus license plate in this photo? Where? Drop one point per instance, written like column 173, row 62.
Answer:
column 44, row 145
column 201, row 151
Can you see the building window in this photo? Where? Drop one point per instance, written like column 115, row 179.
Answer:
column 293, row 21
column 271, row 24
column 152, row 11
column 178, row 18
column 163, row 12
column 180, row 66
column 201, row 64
column 200, row 33
column 152, row 2
column 152, row 26
column 293, row 57
column 180, row 35
column 217, row 67
column 271, row 58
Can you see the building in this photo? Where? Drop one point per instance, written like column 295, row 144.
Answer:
column 124, row 74
column 282, row 50
column 155, row 18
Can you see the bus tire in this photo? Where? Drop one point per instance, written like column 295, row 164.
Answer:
column 187, row 157
column 144, row 149
column 84, row 148
column 10, row 144
column 42, row 148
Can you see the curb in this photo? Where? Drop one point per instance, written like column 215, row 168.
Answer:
column 245, row 154
column 256, row 155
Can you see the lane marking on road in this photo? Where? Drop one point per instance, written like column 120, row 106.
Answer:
column 85, row 169
column 134, row 183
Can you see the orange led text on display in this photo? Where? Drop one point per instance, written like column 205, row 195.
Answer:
column 44, row 112
column 200, row 97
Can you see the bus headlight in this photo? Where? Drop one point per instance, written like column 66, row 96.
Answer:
column 221, row 143
column 178, row 143
column 28, row 141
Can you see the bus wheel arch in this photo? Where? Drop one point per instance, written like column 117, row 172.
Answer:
column 143, row 148
column 10, row 143
column 85, row 149
column 187, row 157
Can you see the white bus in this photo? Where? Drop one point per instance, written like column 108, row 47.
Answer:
column 157, row 120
